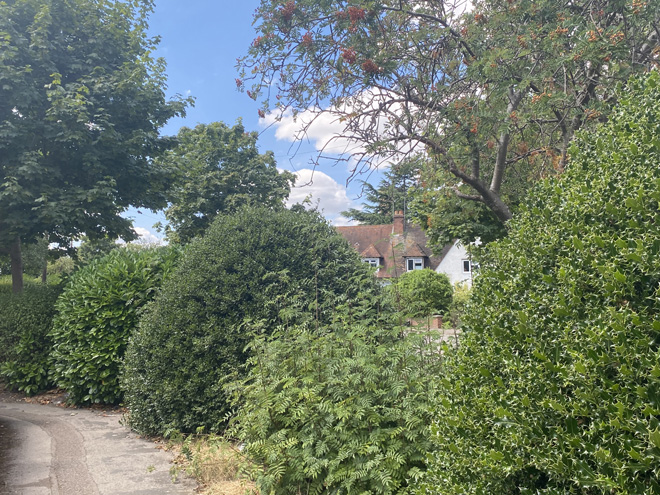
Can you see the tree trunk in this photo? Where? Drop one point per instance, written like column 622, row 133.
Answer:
column 16, row 266
column 44, row 273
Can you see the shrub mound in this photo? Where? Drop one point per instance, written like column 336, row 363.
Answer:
column 256, row 264
column 556, row 385
column 422, row 293
column 98, row 310
column 25, row 345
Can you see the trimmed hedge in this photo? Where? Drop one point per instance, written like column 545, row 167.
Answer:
column 98, row 311
column 25, row 345
column 256, row 264
column 422, row 293
column 556, row 385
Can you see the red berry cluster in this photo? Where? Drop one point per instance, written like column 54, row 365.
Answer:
column 287, row 11
column 349, row 55
column 370, row 67
column 355, row 14
column 307, row 39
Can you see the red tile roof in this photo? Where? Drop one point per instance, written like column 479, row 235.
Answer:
column 392, row 247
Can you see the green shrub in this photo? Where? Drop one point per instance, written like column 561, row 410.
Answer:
column 25, row 346
column 556, row 385
column 255, row 264
column 343, row 409
column 459, row 302
column 422, row 293
column 98, row 310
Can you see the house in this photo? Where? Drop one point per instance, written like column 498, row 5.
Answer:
column 396, row 248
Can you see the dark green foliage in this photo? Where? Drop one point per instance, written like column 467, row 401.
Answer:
column 556, row 385
column 81, row 105
column 98, row 311
column 420, row 293
column 344, row 409
column 393, row 193
column 25, row 346
column 255, row 264
column 217, row 170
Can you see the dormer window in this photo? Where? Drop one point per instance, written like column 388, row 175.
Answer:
column 374, row 262
column 414, row 264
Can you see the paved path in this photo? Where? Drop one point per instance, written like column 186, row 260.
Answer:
column 50, row 450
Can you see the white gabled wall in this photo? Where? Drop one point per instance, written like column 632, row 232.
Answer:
column 452, row 264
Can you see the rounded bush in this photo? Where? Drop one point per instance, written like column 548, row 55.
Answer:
column 556, row 385
column 422, row 293
column 256, row 264
column 25, row 345
column 97, row 312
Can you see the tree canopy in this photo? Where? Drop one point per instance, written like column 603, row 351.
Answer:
column 491, row 92
column 394, row 193
column 81, row 104
column 218, row 169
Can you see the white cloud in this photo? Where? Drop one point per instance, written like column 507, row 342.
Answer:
column 373, row 114
column 147, row 237
column 321, row 191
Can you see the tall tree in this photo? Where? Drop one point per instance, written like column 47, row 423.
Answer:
column 491, row 94
column 394, row 193
column 218, row 169
column 81, row 104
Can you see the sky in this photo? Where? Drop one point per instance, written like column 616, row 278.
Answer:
column 201, row 41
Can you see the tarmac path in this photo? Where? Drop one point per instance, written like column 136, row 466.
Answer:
column 50, row 450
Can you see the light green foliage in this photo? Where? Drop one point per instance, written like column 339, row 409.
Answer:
column 81, row 105
column 459, row 303
column 340, row 409
column 422, row 293
column 25, row 346
column 491, row 91
column 218, row 169
column 258, row 263
column 555, row 387
column 97, row 312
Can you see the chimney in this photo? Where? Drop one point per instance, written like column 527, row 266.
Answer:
column 397, row 228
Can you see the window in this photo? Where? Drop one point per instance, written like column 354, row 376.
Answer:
column 414, row 264
column 375, row 262
column 467, row 268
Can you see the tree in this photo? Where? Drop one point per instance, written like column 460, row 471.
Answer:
column 81, row 103
column 218, row 169
column 491, row 95
column 394, row 192
column 555, row 385
column 91, row 249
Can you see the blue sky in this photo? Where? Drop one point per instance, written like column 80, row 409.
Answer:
column 201, row 40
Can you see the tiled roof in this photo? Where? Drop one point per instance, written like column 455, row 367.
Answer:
column 383, row 241
column 371, row 252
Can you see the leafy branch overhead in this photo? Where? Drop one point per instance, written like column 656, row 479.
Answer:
column 491, row 95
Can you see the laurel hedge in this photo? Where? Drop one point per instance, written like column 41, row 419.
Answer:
column 555, row 387
column 97, row 312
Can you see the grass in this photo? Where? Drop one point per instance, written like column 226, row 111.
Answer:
column 215, row 463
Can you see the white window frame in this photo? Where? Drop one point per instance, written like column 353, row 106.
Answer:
column 467, row 263
column 414, row 264
column 374, row 262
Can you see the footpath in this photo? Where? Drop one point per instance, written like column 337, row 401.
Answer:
column 47, row 449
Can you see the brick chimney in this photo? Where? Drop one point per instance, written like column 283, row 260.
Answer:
column 397, row 228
